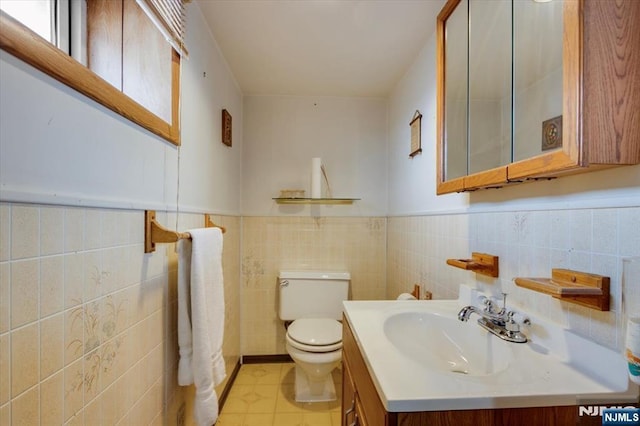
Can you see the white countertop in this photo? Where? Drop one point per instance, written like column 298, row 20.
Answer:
column 556, row 367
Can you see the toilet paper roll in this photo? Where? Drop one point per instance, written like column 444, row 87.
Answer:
column 316, row 177
column 406, row 296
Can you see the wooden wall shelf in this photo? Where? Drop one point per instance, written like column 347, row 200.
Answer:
column 480, row 263
column 584, row 289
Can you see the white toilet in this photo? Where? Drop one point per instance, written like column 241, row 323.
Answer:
column 313, row 301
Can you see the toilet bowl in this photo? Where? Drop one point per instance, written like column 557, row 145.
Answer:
column 315, row 345
column 313, row 301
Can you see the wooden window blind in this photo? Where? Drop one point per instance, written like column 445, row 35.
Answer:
column 170, row 18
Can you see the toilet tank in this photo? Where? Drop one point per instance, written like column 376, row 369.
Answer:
column 312, row 294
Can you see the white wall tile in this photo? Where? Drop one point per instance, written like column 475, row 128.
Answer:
column 51, row 230
column 5, row 368
column 5, row 297
column 25, row 285
column 25, row 238
column 605, row 231
column 561, row 230
column 93, row 229
column 5, row 232
column 629, row 231
column 73, row 229
column 581, row 230
column 25, row 358
column 52, row 281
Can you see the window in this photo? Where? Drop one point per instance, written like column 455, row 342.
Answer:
column 37, row 15
column 130, row 67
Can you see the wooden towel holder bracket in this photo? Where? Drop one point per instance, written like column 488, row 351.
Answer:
column 481, row 263
column 155, row 233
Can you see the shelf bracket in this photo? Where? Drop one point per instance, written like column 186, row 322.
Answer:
column 584, row 289
column 480, row 263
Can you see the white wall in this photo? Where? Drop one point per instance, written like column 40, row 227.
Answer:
column 412, row 181
column 281, row 136
column 59, row 147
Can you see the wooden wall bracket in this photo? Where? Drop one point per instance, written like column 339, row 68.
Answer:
column 481, row 263
column 155, row 233
column 584, row 289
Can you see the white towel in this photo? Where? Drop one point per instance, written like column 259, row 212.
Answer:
column 201, row 319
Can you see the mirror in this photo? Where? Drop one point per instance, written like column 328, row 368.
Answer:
column 456, row 92
column 500, row 87
column 489, row 84
column 117, row 33
column 538, row 96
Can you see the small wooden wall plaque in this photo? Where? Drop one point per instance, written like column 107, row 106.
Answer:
column 416, row 130
column 226, row 128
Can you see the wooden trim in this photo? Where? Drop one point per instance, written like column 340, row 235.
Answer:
column 174, row 130
column 443, row 186
column 266, row 359
column 24, row 44
column 572, row 145
column 227, row 387
column 449, row 186
column 365, row 388
column 496, row 177
column 545, row 164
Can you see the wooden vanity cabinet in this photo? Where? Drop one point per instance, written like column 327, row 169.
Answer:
column 361, row 405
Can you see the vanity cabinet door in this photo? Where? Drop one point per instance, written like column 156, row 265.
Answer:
column 348, row 395
column 369, row 408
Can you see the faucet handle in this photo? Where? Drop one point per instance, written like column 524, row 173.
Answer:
column 487, row 303
column 517, row 318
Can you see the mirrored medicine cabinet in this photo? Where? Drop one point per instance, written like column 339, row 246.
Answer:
column 535, row 90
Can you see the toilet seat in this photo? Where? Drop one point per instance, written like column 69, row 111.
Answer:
column 315, row 334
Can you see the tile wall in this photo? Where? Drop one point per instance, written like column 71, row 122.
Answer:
column 271, row 244
column 87, row 320
column 529, row 243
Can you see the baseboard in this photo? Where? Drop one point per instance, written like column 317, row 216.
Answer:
column 266, row 359
column 228, row 385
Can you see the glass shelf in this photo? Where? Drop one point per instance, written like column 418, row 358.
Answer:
column 315, row 200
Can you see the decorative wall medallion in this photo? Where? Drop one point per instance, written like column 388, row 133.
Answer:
column 552, row 133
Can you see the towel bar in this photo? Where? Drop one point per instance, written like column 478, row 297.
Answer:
column 156, row 233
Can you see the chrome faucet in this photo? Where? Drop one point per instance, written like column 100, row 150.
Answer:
column 497, row 321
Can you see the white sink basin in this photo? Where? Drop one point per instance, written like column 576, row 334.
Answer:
column 422, row 358
column 446, row 344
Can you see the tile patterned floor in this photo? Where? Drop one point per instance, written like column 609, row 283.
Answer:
column 264, row 395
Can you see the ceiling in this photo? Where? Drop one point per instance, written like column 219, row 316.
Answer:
column 320, row 47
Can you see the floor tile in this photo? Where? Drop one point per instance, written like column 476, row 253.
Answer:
column 264, row 395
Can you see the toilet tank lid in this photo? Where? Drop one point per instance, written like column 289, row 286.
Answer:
column 315, row 275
